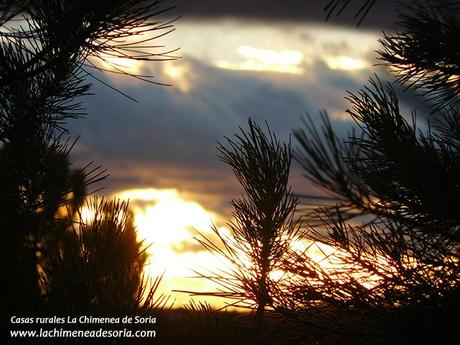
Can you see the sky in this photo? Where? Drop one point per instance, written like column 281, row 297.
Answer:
column 237, row 60
column 382, row 15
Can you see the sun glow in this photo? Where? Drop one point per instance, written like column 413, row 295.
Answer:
column 167, row 223
column 86, row 215
column 163, row 218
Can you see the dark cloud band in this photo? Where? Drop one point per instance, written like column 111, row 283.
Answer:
column 382, row 15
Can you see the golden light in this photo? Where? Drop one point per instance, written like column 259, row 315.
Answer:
column 168, row 222
column 264, row 60
column 276, row 275
column 338, row 263
column 284, row 57
column 345, row 63
column 180, row 73
column 118, row 64
column 164, row 220
column 454, row 78
column 86, row 215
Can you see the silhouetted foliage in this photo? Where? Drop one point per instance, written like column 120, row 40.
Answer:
column 388, row 231
column 202, row 325
column 99, row 266
column 48, row 50
column 36, row 183
column 424, row 52
column 264, row 225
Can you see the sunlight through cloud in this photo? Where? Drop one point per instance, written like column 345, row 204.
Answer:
column 180, row 75
column 264, row 60
column 164, row 220
column 163, row 217
column 119, row 64
column 345, row 63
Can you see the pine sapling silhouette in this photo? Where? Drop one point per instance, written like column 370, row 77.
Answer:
column 99, row 266
column 264, row 225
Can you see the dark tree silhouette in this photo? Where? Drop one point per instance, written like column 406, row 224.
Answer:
column 99, row 266
column 424, row 51
column 48, row 52
column 264, row 225
column 203, row 325
column 392, row 275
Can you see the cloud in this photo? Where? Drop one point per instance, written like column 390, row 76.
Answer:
column 168, row 139
column 171, row 126
column 382, row 15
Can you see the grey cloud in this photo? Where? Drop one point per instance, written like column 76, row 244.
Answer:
column 381, row 16
column 167, row 126
column 168, row 139
column 336, row 48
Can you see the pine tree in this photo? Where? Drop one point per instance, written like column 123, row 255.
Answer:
column 263, row 225
column 99, row 268
column 48, row 52
column 391, row 220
